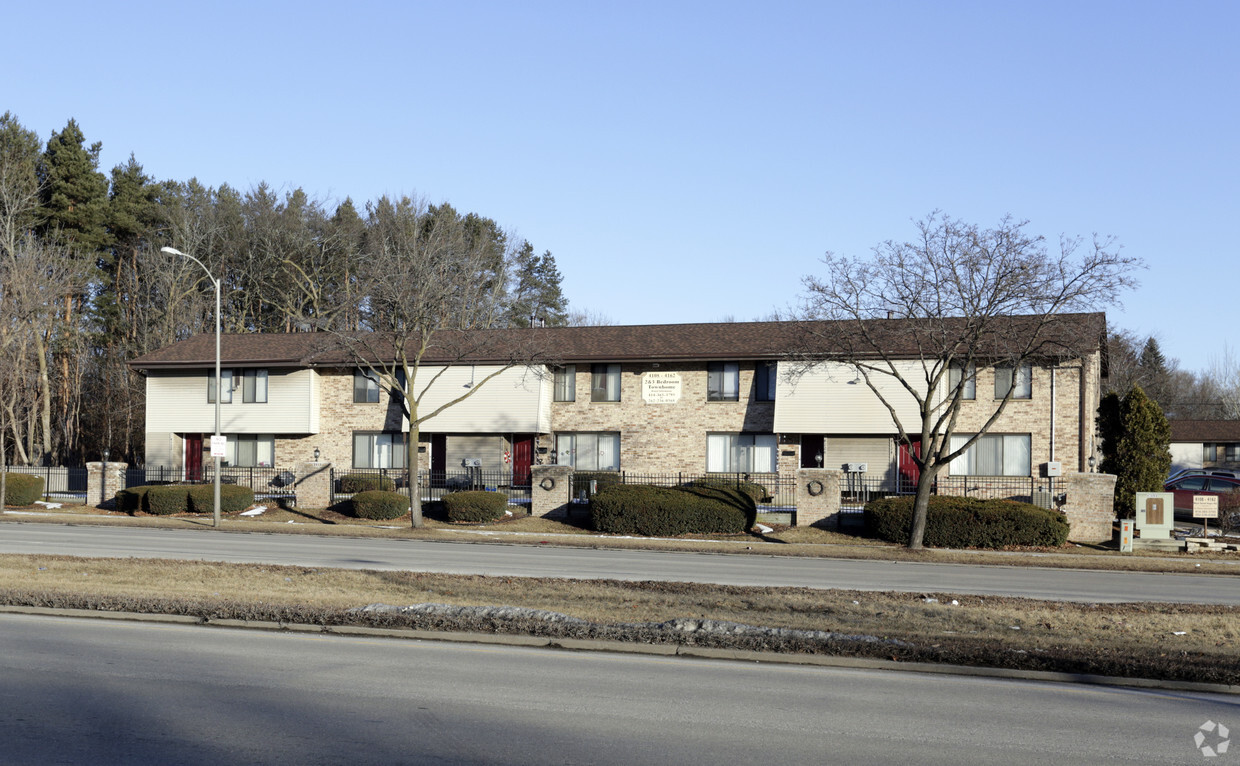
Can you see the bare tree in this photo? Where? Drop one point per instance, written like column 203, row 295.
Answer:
column 961, row 297
column 432, row 294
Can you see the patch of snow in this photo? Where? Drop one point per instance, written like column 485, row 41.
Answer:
column 256, row 511
column 764, row 529
column 48, row 505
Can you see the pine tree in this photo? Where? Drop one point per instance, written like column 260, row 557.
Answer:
column 536, row 296
column 1155, row 373
column 1143, row 452
column 75, row 193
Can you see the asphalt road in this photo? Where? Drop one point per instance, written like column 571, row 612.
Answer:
column 103, row 692
column 545, row 561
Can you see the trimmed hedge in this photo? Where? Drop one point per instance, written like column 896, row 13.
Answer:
column 22, row 488
column 639, row 509
column 752, row 488
column 380, row 505
column 475, row 506
column 351, row 483
column 166, row 499
column 966, row 522
column 233, row 498
column 133, row 499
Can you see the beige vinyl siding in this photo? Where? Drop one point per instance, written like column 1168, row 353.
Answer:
column 877, row 453
column 163, row 449
column 176, row 402
column 489, row 449
column 833, row 398
column 517, row 400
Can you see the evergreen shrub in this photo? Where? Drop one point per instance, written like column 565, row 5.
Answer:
column 22, row 488
column 380, row 504
column 351, row 483
column 233, row 498
column 967, row 522
column 601, row 479
column 639, row 509
column 132, row 499
column 475, row 506
column 752, row 488
column 167, row 499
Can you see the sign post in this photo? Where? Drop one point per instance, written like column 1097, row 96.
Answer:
column 1205, row 507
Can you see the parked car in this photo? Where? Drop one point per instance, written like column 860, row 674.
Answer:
column 1185, row 488
column 1203, row 472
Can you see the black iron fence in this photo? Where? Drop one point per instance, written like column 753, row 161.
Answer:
column 267, row 483
column 60, row 483
column 432, row 485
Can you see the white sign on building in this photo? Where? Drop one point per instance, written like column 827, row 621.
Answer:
column 661, row 387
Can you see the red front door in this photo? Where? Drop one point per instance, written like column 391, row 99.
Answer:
column 522, row 459
column 193, row 457
column 909, row 472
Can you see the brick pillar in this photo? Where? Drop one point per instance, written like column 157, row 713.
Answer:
column 551, row 490
column 101, row 487
column 1089, row 504
column 314, row 485
column 818, row 497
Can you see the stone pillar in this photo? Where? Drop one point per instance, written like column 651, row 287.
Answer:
column 1089, row 504
column 100, row 486
column 818, row 498
column 313, row 484
column 551, row 490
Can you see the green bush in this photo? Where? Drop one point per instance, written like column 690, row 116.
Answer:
column 233, row 498
column 966, row 522
column 638, row 509
column 132, row 499
column 753, row 489
column 166, row 500
column 351, row 483
column 380, row 504
column 22, row 488
column 474, row 506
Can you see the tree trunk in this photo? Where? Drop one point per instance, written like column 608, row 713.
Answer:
column 921, row 504
column 412, row 462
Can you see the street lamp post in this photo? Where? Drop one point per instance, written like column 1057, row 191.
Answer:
column 219, row 390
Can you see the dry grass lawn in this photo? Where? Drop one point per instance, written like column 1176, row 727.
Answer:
column 1187, row 642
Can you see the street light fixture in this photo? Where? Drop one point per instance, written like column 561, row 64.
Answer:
column 219, row 389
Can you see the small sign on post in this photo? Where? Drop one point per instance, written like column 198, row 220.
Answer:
column 219, row 446
column 1205, row 507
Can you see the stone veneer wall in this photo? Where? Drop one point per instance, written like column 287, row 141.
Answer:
column 664, row 438
column 1089, row 504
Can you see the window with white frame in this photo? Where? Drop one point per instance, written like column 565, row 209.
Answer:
column 254, row 386
column 226, row 380
column 588, row 451
column 251, row 450
column 741, row 453
column 723, row 381
column 605, row 383
column 566, row 383
column 764, row 379
column 378, row 450
column 1022, row 387
column 365, row 387
column 993, row 455
column 964, row 377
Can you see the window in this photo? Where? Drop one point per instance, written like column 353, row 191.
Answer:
column 723, row 381
column 741, row 453
column 226, row 377
column 605, row 383
column 764, row 377
column 993, row 455
column 964, row 376
column 254, row 386
column 251, row 450
column 378, row 450
column 566, row 383
column 1233, row 453
column 589, row 451
column 1023, row 387
column 365, row 387
column 1208, row 453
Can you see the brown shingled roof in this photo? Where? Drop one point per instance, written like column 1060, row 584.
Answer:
column 684, row 342
column 1205, row 430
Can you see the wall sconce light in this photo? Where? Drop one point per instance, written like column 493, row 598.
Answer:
column 1093, row 461
column 316, row 454
column 106, row 452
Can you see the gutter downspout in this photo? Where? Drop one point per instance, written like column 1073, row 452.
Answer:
column 1052, row 413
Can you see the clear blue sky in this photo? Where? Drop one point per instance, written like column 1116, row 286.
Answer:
column 691, row 161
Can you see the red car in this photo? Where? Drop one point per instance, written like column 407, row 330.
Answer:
column 1186, row 487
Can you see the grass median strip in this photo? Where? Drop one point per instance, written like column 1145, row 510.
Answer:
column 1164, row 641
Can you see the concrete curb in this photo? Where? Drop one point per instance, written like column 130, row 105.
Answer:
column 623, row 647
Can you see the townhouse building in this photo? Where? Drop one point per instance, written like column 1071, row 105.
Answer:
column 684, row 398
